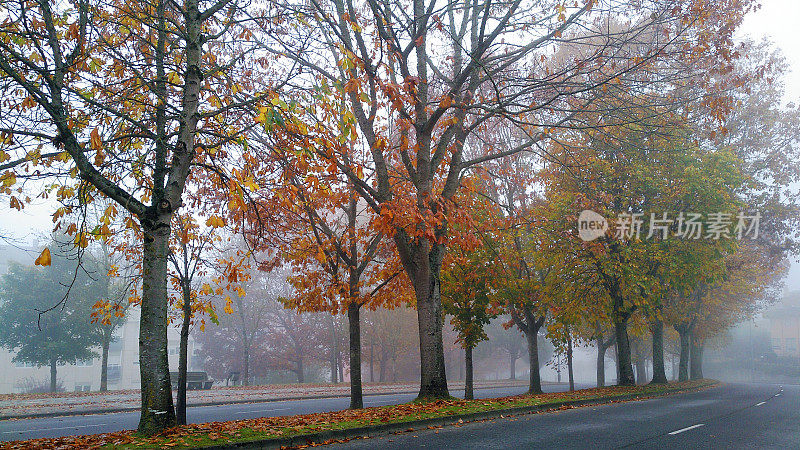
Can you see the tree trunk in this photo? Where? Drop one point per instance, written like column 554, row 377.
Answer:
column 53, row 375
column 601, row 362
column 356, row 400
column 659, row 371
column 613, row 349
column 334, row 371
column 183, row 354
column 157, row 412
column 104, row 361
column 469, row 392
column 384, row 361
column 673, row 367
column 683, row 364
column 534, row 380
column 641, row 371
column 246, row 366
column 602, row 347
column 512, row 367
column 461, row 368
column 624, row 369
column 696, row 366
column 433, row 380
column 569, row 363
column 299, row 371
column 371, row 363
column 423, row 262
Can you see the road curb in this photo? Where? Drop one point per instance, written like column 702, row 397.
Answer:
column 393, row 428
column 215, row 403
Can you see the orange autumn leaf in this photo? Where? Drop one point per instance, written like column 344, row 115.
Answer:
column 97, row 143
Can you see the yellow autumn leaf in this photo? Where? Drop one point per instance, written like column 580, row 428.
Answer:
column 174, row 78
column 81, row 240
column 215, row 222
column 44, row 258
column 8, row 179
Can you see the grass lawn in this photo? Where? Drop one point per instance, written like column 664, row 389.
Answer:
column 205, row 434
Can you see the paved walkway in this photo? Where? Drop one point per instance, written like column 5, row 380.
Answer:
column 68, row 403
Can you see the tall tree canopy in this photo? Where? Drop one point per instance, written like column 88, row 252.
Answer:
column 126, row 100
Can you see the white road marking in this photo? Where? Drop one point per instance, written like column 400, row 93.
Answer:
column 53, row 429
column 263, row 410
column 759, row 404
column 686, row 429
column 778, row 394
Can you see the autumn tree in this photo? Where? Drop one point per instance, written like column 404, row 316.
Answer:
column 466, row 290
column 191, row 258
column 327, row 234
column 595, row 329
column 517, row 240
column 125, row 101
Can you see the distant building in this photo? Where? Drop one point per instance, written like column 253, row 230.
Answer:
column 784, row 327
column 123, row 354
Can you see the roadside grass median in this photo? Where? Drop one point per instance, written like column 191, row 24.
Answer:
column 326, row 427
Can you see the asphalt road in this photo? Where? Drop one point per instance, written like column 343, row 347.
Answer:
column 18, row 429
column 737, row 416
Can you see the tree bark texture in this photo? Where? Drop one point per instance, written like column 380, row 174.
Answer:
column 659, row 369
column 53, row 375
column 183, row 354
column 469, row 391
column 354, row 320
column 535, row 379
column 683, row 363
column 625, row 375
column 422, row 262
column 157, row 411
column 696, row 365
column 104, row 361
column 569, row 363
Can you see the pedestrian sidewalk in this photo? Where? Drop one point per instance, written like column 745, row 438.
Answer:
column 14, row 406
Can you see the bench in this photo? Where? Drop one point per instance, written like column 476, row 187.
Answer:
column 194, row 380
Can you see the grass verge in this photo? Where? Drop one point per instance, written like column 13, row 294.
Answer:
column 253, row 430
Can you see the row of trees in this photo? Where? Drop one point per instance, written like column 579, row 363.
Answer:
column 355, row 142
column 634, row 161
column 266, row 343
